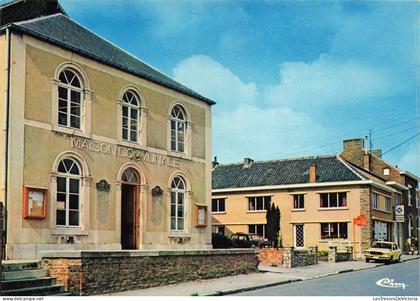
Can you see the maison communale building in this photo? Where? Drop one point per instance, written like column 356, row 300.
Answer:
column 100, row 151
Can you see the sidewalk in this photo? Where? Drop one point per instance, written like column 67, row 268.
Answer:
column 268, row 276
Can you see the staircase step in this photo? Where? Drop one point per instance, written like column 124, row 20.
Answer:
column 36, row 273
column 27, row 282
column 35, row 291
column 19, row 265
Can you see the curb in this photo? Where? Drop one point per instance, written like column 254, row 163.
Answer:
column 252, row 288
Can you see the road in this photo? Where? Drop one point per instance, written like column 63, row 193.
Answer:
column 359, row 283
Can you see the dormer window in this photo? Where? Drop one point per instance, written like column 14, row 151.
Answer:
column 386, row 171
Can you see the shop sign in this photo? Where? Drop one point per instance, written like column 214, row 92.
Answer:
column 399, row 214
column 122, row 151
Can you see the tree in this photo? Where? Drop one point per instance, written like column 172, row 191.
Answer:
column 273, row 224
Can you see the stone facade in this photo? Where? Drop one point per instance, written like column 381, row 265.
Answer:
column 366, row 211
column 293, row 258
column 336, row 255
column 271, row 256
column 93, row 273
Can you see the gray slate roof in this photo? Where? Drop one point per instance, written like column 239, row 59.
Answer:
column 282, row 172
column 60, row 30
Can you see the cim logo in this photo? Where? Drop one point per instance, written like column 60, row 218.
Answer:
column 389, row 283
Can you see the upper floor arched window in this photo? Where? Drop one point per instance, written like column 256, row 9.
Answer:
column 178, row 128
column 70, row 95
column 130, row 116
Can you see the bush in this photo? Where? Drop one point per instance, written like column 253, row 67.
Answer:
column 322, row 253
column 219, row 241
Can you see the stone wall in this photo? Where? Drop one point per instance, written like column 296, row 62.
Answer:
column 92, row 273
column 293, row 258
column 271, row 256
column 340, row 255
column 1, row 242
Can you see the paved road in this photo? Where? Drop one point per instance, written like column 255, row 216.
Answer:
column 359, row 283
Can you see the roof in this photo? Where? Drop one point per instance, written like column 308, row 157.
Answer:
column 60, row 30
column 283, row 172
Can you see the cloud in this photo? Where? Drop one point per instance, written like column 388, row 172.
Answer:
column 326, row 82
column 217, row 82
column 243, row 127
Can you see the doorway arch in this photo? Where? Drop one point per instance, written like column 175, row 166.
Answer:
column 130, row 208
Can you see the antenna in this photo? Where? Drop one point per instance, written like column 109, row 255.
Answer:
column 370, row 141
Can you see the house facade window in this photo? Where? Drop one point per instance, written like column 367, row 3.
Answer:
column 388, row 204
column 68, row 193
column 409, row 195
column 334, row 230
column 219, row 229
column 257, row 229
column 259, row 203
column 386, row 171
column 130, row 116
column 70, row 95
column 375, row 198
column 333, row 200
column 178, row 190
column 218, row 205
column 178, row 129
column 299, row 201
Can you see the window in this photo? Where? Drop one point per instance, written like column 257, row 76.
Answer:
column 70, row 92
column 298, row 201
column 397, row 199
column 130, row 116
column 68, row 193
column 387, row 204
column 178, row 129
column 219, row 229
column 333, row 200
column 409, row 195
column 218, row 205
column 178, row 190
column 417, row 198
column 386, row 171
column 257, row 229
column 334, row 230
column 259, row 203
column 375, row 198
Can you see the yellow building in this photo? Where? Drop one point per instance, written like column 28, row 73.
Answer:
column 318, row 197
column 99, row 150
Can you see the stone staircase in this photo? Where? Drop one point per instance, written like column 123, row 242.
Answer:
column 28, row 278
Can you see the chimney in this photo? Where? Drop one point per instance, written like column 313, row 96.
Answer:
column 366, row 161
column 214, row 163
column 248, row 162
column 377, row 152
column 350, row 145
column 312, row 173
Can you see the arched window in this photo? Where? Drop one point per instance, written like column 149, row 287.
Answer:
column 70, row 92
column 178, row 129
column 129, row 176
column 178, row 190
column 130, row 116
column 68, row 193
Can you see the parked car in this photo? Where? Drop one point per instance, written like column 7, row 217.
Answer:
column 383, row 251
column 244, row 240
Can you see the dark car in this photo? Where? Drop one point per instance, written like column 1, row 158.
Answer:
column 244, row 240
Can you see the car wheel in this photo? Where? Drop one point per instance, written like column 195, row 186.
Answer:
column 399, row 259
column 387, row 261
column 367, row 260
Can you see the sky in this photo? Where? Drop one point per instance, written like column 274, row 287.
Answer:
column 290, row 78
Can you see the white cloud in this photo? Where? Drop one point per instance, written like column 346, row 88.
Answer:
column 217, row 82
column 327, row 81
column 241, row 127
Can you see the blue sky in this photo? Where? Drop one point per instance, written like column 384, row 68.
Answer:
column 290, row 78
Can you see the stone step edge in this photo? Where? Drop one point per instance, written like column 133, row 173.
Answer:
column 32, row 289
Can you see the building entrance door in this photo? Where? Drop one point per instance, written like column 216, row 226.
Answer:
column 129, row 210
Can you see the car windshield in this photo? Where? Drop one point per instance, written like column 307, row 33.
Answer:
column 255, row 237
column 381, row 245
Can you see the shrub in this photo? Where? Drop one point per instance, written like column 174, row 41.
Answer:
column 322, row 253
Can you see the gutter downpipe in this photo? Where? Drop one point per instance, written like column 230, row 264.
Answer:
column 5, row 131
